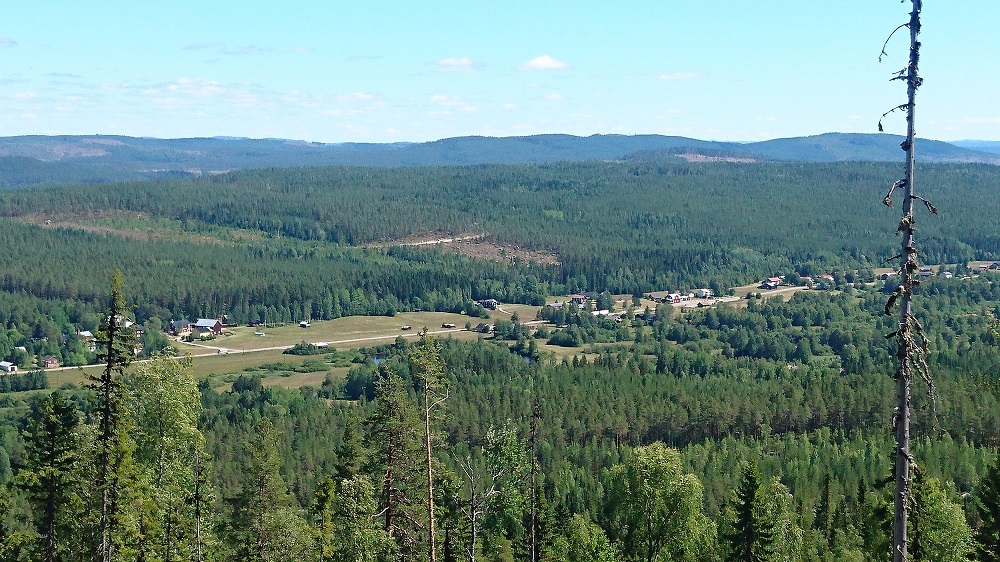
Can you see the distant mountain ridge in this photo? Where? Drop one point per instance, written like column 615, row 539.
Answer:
column 28, row 160
column 982, row 146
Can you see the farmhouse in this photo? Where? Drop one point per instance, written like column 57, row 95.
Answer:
column 658, row 296
column 87, row 337
column 771, row 283
column 206, row 325
column 703, row 293
column 8, row 367
column 50, row 362
column 491, row 304
column 179, row 327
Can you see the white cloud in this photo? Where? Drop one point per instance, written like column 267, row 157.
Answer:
column 188, row 91
column 510, row 106
column 450, row 101
column 24, row 95
column 554, row 97
column 5, row 42
column 199, row 87
column 982, row 120
column 544, row 62
column 302, row 50
column 355, row 97
column 679, row 76
column 456, row 64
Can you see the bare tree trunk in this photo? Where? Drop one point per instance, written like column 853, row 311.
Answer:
column 535, row 412
column 430, row 479
column 908, row 347
column 197, row 504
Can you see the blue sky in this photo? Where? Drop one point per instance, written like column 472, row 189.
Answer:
column 383, row 71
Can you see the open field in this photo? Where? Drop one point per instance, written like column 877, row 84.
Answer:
column 348, row 332
column 245, row 350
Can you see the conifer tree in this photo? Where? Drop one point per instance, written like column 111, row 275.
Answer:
column 266, row 525
column 428, row 367
column 12, row 540
column 752, row 536
column 351, row 455
column 50, row 468
column 347, row 529
column 116, row 348
column 395, row 448
column 987, row 503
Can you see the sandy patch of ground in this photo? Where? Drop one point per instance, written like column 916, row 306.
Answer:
column 476, row 245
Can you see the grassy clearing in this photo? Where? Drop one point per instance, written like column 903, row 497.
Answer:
column 248, row 351
column 349, row 332
column 298, row 380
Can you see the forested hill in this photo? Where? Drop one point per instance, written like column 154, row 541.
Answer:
column 32, row 160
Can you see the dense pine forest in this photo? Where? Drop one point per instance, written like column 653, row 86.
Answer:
column 750, row 430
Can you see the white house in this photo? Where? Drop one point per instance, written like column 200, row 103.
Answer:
column 8, row 367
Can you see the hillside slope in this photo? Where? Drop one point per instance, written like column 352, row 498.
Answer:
column 31, row 160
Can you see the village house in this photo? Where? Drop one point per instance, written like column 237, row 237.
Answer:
column 207, row 325
column 703, row 293
column 88, row 338
column 658, row 296
column 50, row 362
column 179, row 327
column 491, row 304
column 8, row 367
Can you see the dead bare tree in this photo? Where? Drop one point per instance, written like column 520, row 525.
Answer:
column 911, row 343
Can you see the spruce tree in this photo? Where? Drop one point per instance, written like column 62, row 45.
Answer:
column 266, row 525
column 751, row 538
column 50, row 468
column 987, row 502
column 116, row 348
column 395, row 447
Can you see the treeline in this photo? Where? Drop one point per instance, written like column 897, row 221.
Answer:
column 621, row 226
column 33, row 380
column 625, row 227
column 52, row 286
